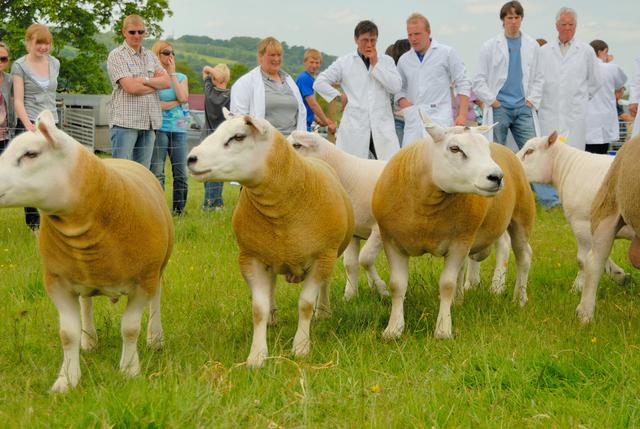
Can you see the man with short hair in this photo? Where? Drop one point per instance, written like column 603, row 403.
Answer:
column 136, row 75
column 571, row 78
column 428, row 71
column 312, row 61
column 368, row 81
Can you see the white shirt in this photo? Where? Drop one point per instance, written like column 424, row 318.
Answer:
column 602, row 112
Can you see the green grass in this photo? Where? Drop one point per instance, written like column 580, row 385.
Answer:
column 507, row 366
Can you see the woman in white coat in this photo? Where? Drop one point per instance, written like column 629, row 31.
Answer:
column 269, row 93
column 634, row 98
column 602, row 112
column 368, row 89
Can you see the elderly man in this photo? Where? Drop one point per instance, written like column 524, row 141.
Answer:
column 368, row 80
column 428, row 71
column 571, row 78
column 136, row 75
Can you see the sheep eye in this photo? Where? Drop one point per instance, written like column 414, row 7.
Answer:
column 28, row 154
column 239, row 137
column 297, row 146
column 454, row 149
column 528, row 152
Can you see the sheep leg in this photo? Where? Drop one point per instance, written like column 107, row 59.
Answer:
column 472, row 277
column 523, row 253
column 351, row 267
column 317, row 279
column 70, row 332
column 261, row 281
column 582, row 231
column 616, row 273
column 600, row 249
column 155, row 335
column 503, row 246
column 323, row 306
column 453, row 263
column 130, row 330
column 368, row 255
column 89, row 336
column 399, row 276
column 273, row 319
column 461, row 279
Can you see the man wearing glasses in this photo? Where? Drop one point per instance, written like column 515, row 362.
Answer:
column 136, row 76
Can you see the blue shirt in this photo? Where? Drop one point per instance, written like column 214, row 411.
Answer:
column 305, row 85
column 512, row 93
column 173, row 120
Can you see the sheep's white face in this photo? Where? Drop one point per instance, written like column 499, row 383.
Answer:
column 310, row 144
column 36, row 168
column 236, row 151
column 537, row 158
column 462, row 163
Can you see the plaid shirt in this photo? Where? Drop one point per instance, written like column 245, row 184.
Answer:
column 140, row 112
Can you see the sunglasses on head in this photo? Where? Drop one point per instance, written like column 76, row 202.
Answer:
column 4, row 59
column 167, row 53
column 133, row 32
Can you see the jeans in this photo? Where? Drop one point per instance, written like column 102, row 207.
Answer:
column 128, row 143
column 175, row 145
column 212, row 195
column 520, row 121
column 31, row 215
column 399, row 129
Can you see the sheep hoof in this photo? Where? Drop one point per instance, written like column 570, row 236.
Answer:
column 256, row 360
column 381, row 286
column 131, row 370
column 323, row 313
column 301, row 347
column 442, row 334
column 584, row 314
column 393, row 332
column 622, row 278
column 349, row 293
column 273, row 319
column 88, row 341
column 62, row 385
column 155, row 342
column 497, row 287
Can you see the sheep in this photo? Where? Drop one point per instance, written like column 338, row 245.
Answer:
column 616, row 205
column 432, row 197
column 358, row 176
column 105, row 230
column 293, row 217
column 576, row 175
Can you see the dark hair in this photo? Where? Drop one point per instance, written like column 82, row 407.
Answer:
column 396, row 50
column 599, row 45
column 506, row 8
column 365, row 27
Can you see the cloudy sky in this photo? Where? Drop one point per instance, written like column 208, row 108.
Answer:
column 464, row 24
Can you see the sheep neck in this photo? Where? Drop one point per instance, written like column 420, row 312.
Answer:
column 344, row 164
column 565, row 158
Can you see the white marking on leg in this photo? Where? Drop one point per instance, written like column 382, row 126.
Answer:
column 130, row 331
column 302, row 341
column 89, row 337
column 350, row 260
column 155, row 334
column 261, row 282
column 368, row 255
column 70, row 332
column 448, row 280
column 399, row 276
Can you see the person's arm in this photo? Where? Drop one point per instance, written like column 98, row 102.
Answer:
column 536, row 80
column 634, row 90
column 401, row 96
column 480, row 82
column 241, row 94
column 594, row 79
column 135, row 85
column 325, row 81
column 319, row 113
column 168, row 105
column 18, row 103
column 181, row 88
column 386, row 73
column 462, row 85
column 160, row 80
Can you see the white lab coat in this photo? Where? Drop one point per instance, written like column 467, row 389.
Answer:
column 602, row 112
column 427, row 84
column 634, row 96
column 247, row 97
column 570, row 81
column 368, row 112
column 493, row 67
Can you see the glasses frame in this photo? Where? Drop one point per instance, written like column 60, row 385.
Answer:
column 4, row 59
column 167, row 53
column 138, row 32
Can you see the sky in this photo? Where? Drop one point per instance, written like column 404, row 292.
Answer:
column 328, row 25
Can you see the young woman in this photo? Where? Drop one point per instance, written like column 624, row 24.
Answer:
column 35, row 80
column 171, row 139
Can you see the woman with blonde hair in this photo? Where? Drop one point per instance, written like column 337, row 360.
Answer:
column 35, row 80
column 268, row 92
column 171, row 138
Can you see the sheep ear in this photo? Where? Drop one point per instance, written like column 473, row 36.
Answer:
column 305, row 138
column 47, row 127
column 256, row 124
column 226, row 113
column 436, row 132
column 484, row 128
column 552, row 138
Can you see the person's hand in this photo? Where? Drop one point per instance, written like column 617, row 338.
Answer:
column 403, row 103
column 344, row 100
column 633, row 108
column 331, row 127
column 171, row 65
column 30, row 126
column 373, row 57
column 496, row 104
column 461, row 119
column 529, row 104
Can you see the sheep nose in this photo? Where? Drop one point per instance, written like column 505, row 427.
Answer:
column 192, row 159
column 495, row 178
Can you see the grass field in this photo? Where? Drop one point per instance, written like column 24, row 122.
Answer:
column 506, row 367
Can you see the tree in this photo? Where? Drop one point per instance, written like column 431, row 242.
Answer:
column 75, row 25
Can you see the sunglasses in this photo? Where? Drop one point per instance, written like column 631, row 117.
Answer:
column 133, row 32
column 4, row 59
column 167, row 53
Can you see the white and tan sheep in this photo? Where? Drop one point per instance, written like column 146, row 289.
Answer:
column 105, row 230
column 358, row 177
column 577, row 175
column 452, row 197
column 616, row 205
column 293, row 218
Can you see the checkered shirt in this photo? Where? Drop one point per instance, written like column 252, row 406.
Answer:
column 140, row 112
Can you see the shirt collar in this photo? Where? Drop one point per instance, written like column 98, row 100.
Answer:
column 131, row 50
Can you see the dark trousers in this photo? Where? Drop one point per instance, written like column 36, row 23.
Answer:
column 31, row 215
column 601, row 149
column 372, row 148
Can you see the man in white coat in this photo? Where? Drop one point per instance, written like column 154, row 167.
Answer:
column 368, row 81
column 602, row 112
column 571, row 78
column 428, row 71
column 509, row 83
column 634, row 98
